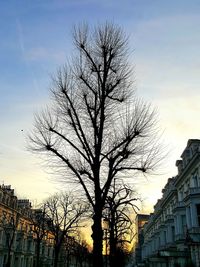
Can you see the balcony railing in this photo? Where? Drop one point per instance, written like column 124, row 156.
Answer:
column 194, row 230
column 180, row 237
column 179, row 205
column 170, row 244
column 169, row 217
column 194, row 190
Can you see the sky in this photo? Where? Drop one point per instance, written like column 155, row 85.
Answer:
column 36, row 38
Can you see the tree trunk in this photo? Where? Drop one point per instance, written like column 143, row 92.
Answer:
column 8, row 260
column 68, row 257
column 38, row 242
column 57, row 250
column 97, row 236
column 112, row 256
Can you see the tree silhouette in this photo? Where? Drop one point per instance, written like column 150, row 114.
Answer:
column 96, row 128
column 119, row 209
column 39, row 222
column 9, row 224
column 64, row 213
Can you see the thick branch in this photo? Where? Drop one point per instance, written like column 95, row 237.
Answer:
column 71, row 167
column 69, row 142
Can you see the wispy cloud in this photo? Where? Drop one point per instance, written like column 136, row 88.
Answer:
column 20, row 36
column 29, row 54
column 43, row 54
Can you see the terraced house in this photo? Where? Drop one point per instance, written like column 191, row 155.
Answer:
column 172, row 234
column 17, row 238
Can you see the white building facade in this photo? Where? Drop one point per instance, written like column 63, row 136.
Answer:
column 172, row 234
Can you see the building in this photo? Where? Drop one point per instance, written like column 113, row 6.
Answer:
column 140, row 221
column 26, row 238
column 172, row 234
column 17, row 239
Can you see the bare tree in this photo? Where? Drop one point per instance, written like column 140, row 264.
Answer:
column 39, row 224
column 69, row 245
column 82, row 251
column 97, row 128
column 77, row 251
column 9, row 224
column 119, row 209
column 64, row 213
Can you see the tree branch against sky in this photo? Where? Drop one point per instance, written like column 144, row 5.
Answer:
column 96, row 127
column 65, row 213
column 166, row 55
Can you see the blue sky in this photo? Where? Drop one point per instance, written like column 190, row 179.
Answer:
column 36, row 39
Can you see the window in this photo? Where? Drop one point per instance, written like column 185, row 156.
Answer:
column 183, row 223
column 29, row 245
column 18, row 243
column 181, row 193
column 186, row 188
column 195, row 178
column 159, row 241
column 4, row 260
column 198, row 213
column 173, row 233
column 16, row 261
column 165, row 237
